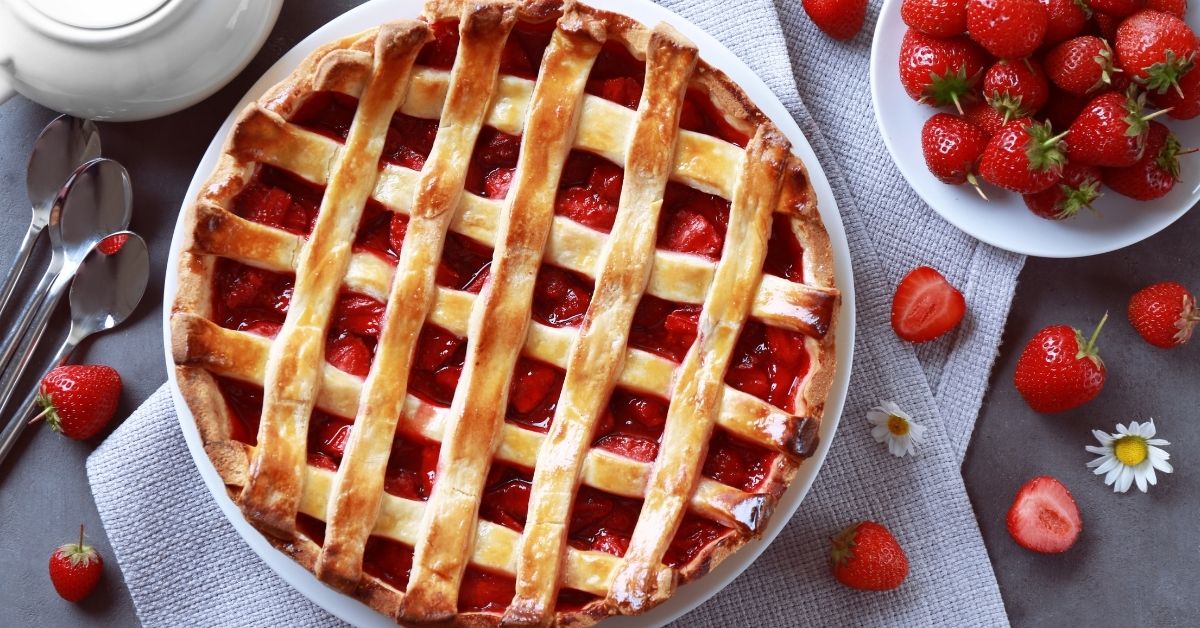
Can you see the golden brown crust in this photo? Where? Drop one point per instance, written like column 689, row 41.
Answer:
column 202, row 350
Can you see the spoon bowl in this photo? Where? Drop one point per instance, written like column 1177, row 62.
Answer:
column 97, row 201
column 108, row 287
column 64, row 145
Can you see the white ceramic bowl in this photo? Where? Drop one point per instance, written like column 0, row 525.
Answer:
column 688, row 597
column 131, row 60
column 1004, row 221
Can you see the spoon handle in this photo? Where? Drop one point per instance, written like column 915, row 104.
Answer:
column 18, row 267
column 10, row 377
column 24, row 412
column 15, row 332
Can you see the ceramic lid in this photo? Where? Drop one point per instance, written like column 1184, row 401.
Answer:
column 96, row 14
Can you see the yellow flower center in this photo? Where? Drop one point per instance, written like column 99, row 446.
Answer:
column 897, row 425
column 1130, row 450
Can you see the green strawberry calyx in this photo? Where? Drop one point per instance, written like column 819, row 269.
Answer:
column 1045, row 151
column 1085, row 7
column 1007, row 104
column 1088, row 349
column 843, row 545
column 1165, row 74
column 1104, row 59
column 78, row 554
column 1076, row 198
column 1168, row 156
column 49, row 412
column 950, row 88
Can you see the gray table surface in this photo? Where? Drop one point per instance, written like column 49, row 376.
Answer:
column 1136, row 560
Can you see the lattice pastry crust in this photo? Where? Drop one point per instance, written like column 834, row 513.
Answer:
column 272, row 482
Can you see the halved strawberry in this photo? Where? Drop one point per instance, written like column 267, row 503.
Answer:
column 926, row 305
column 497, row 182
column 1044, row 517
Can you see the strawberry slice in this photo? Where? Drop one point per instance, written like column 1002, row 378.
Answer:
column 358, row 314
column 624, row 91
column 610, row 543
column 532, row 381
column 690, row 231
column 332, row 438
column 397, row 231
column 926, row 306
column 497, row 182
column 606, row 181
column 1044, row 517
column 350, row 354
column 639, row 448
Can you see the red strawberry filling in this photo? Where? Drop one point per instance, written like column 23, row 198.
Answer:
column 767, row 362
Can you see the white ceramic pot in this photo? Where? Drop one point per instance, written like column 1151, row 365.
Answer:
column 129, row 59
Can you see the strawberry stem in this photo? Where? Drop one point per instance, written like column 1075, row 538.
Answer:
column 975, row 184
column 81, row 537
column 1148, row 117
column 1090, row 348
column 1054, row 140
column 41, row 415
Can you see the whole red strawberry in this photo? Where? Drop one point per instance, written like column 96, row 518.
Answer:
column 1023, row 157
column 939, row 18
column 1183, row 103
column 939, row 72
column 1080, row 65
column 1164, row 314
column 1009, row 29
column 1117, row 8
column 1044, row 517
column 1017, row 89
column 80, row 399
column 1178, row 8
column 1155, row 49
column 985, row 117
column 866, row 556
column 1110, row 131
column 1064, row 19
column 1155, row 174
column 75, row 569
column 1078, row 188
column 1058, row 370
column 840, row 19
column 952, row 148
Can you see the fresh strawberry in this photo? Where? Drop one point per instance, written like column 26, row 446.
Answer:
column 1023, row 157
column 1178, row 8
column 1155, row 49
column 952, row 147
column 926, row 305
column 938, row 18
column 1164, row 314
column 1064, row 19
column 75, row 569
column 1110, row 131
column 939, row 72
column 1008, row 29
column 1117, row 8
column 79, row 399
column 1043, row 517
column 1017, row 89
column 866, row 556
column 1062, row 108
column 840, row 19
column 1184, row 103
column 1081, row 65
column 1058, row 370
column 1079, row 188
column 985, row 117
column 1155, row 173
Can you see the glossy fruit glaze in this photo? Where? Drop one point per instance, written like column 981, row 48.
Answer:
column 768, row 363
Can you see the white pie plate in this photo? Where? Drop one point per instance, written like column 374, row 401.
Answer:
column 1004, row 221
column 689, row 596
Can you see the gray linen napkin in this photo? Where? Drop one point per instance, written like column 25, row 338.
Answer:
column 146, row 485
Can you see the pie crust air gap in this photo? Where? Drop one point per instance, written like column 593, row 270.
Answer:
column 518, row 313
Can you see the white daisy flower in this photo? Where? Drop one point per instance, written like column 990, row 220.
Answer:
column 1131, row 455
column 894, row 426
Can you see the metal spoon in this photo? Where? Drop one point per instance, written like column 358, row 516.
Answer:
column 64, row 145
column 105, row 292
column 96, row 201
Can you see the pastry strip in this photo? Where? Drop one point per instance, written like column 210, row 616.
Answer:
column 676, row 276
column 498, row 322
column 272, row 490
column 597, row 353
column 642, row 580
column 358, row 485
